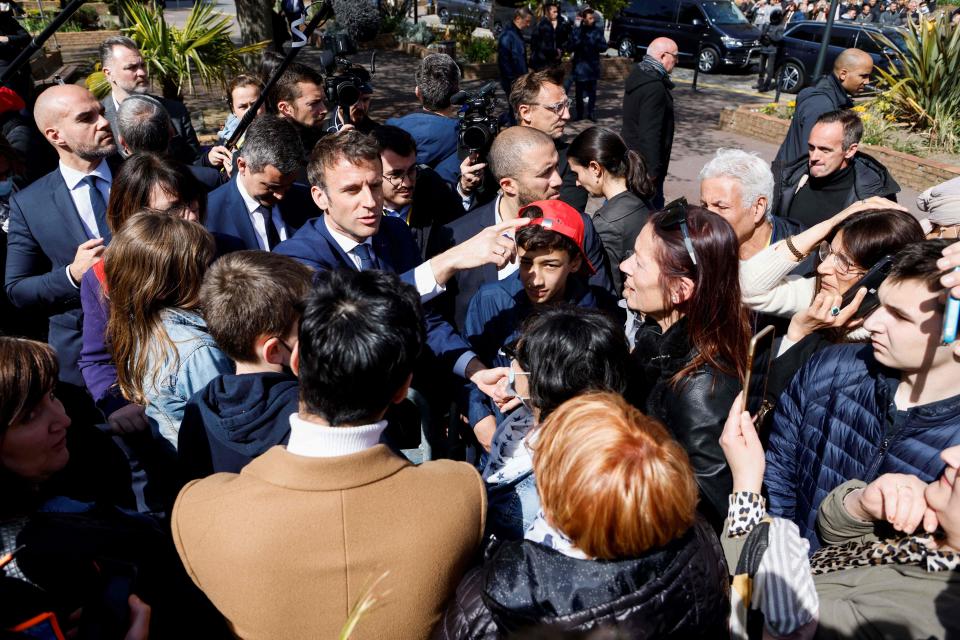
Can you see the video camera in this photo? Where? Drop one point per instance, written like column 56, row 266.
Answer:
column 344, row 82
column 477, row 125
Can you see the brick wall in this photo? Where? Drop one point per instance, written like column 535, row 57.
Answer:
column 910, row 171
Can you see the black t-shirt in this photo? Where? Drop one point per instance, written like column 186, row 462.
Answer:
column 821, row 198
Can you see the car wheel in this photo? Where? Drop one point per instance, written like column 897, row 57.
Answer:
column 792, row 77
column 444, row 15
column 626, row 49
column 709, row 60
column 497, row 29
column 484, row 20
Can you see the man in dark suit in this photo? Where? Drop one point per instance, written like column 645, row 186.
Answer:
column 538, row 100
column 411, row 192
column 127, row 74
column 346, row 177
column 58, row 224
column 261, row 207
column 524, row 160
column 143, row 124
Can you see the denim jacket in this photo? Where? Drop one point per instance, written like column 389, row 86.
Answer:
column 199, row 360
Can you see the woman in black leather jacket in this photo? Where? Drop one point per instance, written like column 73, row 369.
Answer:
column 691, row 346
column 617, row 544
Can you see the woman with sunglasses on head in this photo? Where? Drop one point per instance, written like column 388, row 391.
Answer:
column 691, row 348
column 562, row 352
column 617, row 544
column 605, row 167
column 846, row 247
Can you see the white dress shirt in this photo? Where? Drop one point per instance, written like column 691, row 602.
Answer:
column 258, row 220
column 80, row 193
column 313, row 440
column 426, row 281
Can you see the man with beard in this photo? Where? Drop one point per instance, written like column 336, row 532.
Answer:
column 298, row 97
column 524, row 162
column 58, row 225
column 127, row 74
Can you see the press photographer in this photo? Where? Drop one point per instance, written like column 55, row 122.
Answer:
column 346, row 85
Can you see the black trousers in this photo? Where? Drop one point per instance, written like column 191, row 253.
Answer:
column 586, row 90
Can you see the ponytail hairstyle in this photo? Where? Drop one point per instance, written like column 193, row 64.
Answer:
column 608, row 149
column 156, row 262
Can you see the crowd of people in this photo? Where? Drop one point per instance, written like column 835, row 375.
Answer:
column 888, row 13
column 356, row 381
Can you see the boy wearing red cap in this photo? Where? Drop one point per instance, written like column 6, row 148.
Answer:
column 552, row 259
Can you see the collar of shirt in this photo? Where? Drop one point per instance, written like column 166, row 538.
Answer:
column 252, row 205
column 402, row 212
column 347, row 244
column 313, row 440
column 72, row 177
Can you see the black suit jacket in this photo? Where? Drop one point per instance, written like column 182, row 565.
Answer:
column 462, row 287
column 45, row 231
column 434, row 205
column 184, row 145
column 229, row 221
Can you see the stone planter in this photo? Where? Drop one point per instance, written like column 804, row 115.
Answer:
column 909, row 170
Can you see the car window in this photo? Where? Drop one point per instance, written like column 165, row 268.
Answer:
column 806, row 33
column 867, row 42
column 689, row 13
column 662, row 10
column 724, row 12
column 843, row 38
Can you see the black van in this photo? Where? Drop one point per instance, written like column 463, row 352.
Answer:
column 727, row 36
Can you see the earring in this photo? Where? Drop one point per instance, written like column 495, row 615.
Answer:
column 674, row 299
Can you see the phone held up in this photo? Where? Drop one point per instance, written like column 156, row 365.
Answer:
column 951, row 315
column 759, row 356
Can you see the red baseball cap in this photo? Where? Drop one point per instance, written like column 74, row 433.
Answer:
column 560, row 217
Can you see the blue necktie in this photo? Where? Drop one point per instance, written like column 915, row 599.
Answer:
column 99, row 207
column 363, row 252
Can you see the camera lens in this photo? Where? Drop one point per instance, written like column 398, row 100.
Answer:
column 475, row 137
column 347, row 93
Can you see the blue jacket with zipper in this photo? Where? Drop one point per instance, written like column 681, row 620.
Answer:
column 836, row 422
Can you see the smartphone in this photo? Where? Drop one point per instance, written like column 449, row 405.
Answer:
column 951, row 314
column 871, row 281
column 759, row 356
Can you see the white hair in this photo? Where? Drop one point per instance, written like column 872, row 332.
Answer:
column 749, row 169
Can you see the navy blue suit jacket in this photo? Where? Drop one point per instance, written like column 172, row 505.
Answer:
column 396, row 251
column 464, row 285
column 228, row 220
column 45, row 231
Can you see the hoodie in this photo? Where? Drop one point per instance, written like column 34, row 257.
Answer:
column 234, row 419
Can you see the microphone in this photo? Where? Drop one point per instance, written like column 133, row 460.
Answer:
column 360, row 18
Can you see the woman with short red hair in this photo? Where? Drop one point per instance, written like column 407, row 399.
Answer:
column 618, row 541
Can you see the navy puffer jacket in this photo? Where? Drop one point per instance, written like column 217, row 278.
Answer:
column 831, row 425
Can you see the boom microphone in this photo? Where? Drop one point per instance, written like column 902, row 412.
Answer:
column 359, row 18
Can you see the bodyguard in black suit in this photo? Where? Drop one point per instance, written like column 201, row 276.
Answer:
column 58, row 224
column 127, row 73
column 261, row 206
column 524, row 160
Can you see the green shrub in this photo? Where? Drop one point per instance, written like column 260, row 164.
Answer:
column 479, row 50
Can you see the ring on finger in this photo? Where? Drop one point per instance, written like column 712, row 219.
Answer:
column 834, row 311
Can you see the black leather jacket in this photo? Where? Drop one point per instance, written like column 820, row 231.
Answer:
column 676, row 591
column 694, row 410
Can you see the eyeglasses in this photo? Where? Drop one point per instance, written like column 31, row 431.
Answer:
column 511, row 389
column 557, row 108
column 676, row 55
column 396, row 178
column 675, row 214
column 841, row 263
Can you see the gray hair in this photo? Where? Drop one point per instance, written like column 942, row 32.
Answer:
column 272, row 140
column 438, row 78
column 749, row 169
column 144, row 124
column 106, row 47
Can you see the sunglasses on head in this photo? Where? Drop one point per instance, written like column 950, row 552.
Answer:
column 673, row 215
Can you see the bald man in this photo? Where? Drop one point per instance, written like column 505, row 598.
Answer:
column 524, row 162
column 58, row 224
column 648, row 120
column 851, row 73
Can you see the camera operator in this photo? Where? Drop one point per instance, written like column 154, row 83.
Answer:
column 359, row 111
column 434, row 127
